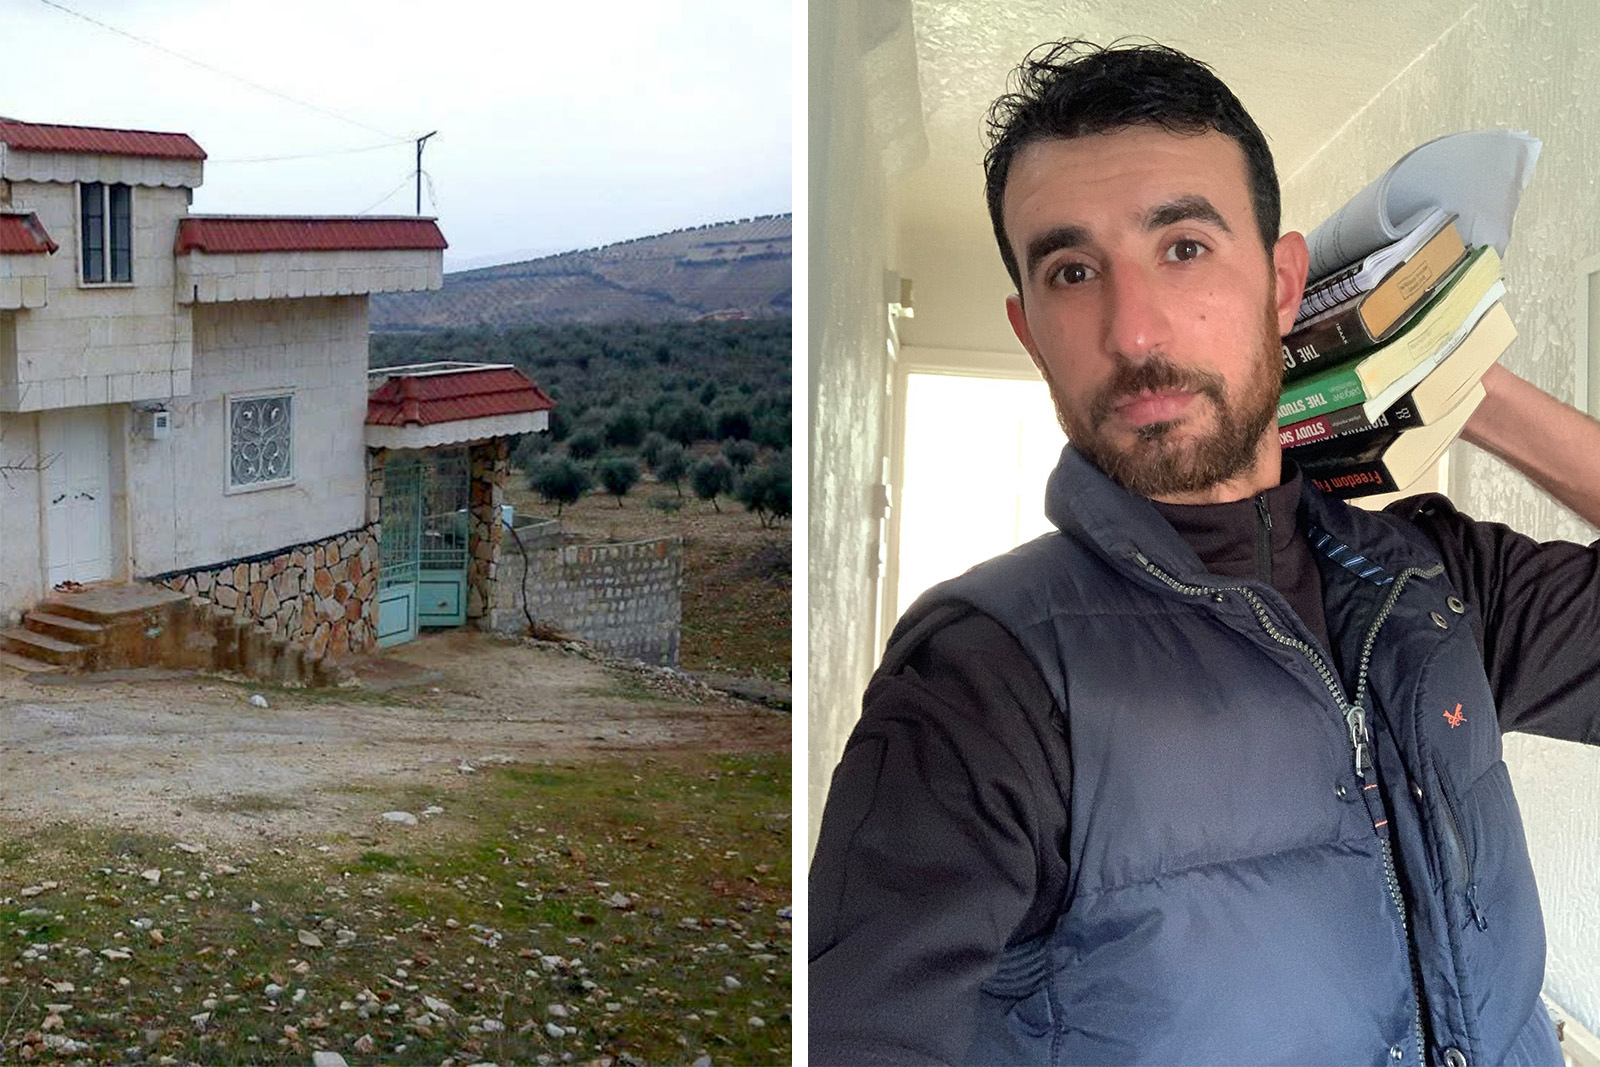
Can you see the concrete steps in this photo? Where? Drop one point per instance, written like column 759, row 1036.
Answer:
column 36, row 646
column 64, row 627
column 118, row 627
column 28, row 665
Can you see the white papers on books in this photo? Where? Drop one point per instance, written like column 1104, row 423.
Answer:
column 1479, row 175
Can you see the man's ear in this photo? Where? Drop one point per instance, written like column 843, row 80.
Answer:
column 1290, row 261
column 1019, row 326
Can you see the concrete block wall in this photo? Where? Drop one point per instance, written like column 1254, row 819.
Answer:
column 625, row 599
column 24, row 280
column 182, row 513
column 101, row 344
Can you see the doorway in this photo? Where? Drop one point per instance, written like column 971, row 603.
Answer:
column 974, row 456
column 423, row 552
column 75, row 456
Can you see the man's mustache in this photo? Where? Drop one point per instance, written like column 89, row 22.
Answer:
column 1154, row 375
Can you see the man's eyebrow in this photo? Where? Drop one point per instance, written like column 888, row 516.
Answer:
column 1195, row 207
column 1052, row 241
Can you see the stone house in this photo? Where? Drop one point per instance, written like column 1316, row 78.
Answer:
column 184, row 403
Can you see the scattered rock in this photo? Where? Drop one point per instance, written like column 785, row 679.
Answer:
column 620, row 901
column 153, row 875
column 466, row 768
column 116, row 954
column 35, row 890
column 404, row 818
column 191, row 849
column 309, row 939
column 65, row 1045
column 365, row 1045
column 259, row 701
column 730, row 983
column 324, row 1058
column 433, row 809
column 558, row 1011
column 555, row 1030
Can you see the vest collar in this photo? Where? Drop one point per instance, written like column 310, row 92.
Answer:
column 1086, row 505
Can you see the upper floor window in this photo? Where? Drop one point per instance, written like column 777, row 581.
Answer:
column 107, row 229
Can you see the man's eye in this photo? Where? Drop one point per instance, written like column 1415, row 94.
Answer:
column 1185, row 249
column 1074, row 274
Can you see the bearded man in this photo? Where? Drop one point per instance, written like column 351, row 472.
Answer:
column 1212, row 773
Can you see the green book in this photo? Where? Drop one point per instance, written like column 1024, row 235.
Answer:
column 1379, row 376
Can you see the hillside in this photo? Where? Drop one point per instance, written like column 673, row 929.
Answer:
column 729, row 269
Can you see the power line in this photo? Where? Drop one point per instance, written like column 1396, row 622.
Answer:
column 389, row 195
column 312, row 155
column 217, row 70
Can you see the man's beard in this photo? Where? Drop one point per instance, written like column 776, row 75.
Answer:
column 1161, row 462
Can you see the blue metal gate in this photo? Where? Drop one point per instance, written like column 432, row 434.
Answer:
column 424, row 547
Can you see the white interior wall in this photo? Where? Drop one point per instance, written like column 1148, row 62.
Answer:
column 1522, row 65
column 860, row 57
column 181, row 514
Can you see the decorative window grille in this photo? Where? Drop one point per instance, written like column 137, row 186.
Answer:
column 260, row 441
column 106, row 229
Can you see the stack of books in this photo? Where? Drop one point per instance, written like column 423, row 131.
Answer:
column 1382, row 368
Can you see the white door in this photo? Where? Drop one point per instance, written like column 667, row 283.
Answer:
column 77, row 494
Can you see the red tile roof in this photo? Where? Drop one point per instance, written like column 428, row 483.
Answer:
column 450, row 396
column 42, row 137
column 239, row 233
column 23, row 233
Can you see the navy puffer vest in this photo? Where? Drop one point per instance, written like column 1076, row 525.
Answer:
column 1275, row 858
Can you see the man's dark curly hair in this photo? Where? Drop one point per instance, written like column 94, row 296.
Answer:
column 1071, row 89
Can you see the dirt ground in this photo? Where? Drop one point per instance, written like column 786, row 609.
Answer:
column 191, row 756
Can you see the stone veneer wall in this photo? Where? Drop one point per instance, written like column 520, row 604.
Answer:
column 491, row 462
column 322, row 594
column 625, row 599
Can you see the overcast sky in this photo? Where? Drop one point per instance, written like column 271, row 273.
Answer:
column 561, row 124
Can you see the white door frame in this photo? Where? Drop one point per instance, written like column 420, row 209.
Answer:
column 914, row 359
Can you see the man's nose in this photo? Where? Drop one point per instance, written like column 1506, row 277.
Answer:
column 1136, row 316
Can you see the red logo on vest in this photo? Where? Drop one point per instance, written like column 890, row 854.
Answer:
column 1455, row 718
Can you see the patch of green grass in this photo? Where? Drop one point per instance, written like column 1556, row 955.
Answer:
column 635, row 903
column 244, row 804
column 372, row 860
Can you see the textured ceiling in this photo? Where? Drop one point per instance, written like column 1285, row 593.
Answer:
column 1300, row 71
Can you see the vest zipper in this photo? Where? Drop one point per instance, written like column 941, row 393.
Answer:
column 1263, row 540
column 1462, row 852
column 1355, row 719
